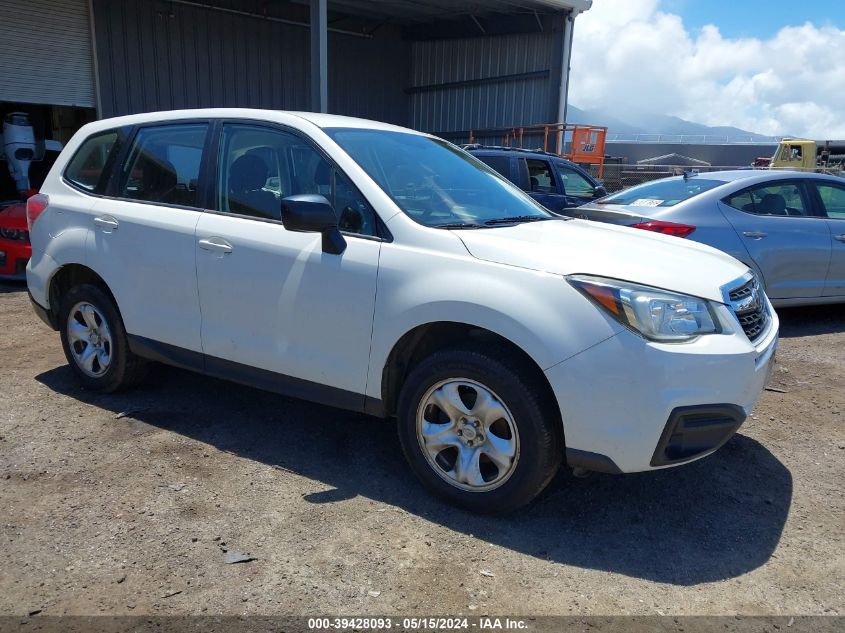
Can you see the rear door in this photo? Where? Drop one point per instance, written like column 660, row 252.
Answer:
column 142, row 235
column 790, row 244
column 831, row 197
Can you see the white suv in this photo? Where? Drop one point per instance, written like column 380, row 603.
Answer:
column 374, row 268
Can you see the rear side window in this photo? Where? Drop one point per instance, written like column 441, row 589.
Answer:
column 782, row 198
column 86, row 168
column 501, row 164
column 540, row 176
column 163, row 164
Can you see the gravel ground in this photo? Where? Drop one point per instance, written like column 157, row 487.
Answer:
column 129, row 504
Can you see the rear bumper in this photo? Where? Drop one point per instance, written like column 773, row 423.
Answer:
column 629, row 405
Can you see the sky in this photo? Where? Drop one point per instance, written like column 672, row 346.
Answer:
column 773, row 67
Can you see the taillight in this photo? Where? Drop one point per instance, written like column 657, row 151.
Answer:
column 667, row 228
column 35, row 206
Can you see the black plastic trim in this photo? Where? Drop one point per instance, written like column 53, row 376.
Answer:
column 695, row 431
column 43, row 313
column 254, row 377
column 166, row 353
column 591, row 461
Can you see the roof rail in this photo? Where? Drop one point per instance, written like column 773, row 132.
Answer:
column 507, row 148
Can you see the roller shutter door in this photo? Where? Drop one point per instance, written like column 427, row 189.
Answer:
column 46, row 53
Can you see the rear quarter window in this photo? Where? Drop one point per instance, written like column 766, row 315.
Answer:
column 86, row 168
column 501, row 164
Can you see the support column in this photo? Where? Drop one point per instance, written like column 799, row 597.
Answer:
column 319, row 56
column 563, row 78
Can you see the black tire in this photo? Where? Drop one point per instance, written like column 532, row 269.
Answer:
column 539, row 429
column 125, row 369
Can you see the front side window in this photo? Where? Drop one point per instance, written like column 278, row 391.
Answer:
column 433, row 182
column 784, row 199
column 833, row 199
column 574, row 184
column 259, row 166
column 86, row 167
column 164, row 164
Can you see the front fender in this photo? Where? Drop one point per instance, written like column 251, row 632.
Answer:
column 538, row 312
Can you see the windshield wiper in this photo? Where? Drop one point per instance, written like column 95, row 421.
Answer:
column 516, row 218
column 458, row 225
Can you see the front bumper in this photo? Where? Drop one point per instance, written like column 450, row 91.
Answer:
column 630, row 405
column 14, row 256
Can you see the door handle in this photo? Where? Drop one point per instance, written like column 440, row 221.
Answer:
column 841, row 238
column 755, row 235
column 216, row 244
column 106, row 222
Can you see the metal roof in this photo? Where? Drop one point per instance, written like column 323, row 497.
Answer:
column 426, row 10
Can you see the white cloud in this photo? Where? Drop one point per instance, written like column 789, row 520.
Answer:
column 628, row 54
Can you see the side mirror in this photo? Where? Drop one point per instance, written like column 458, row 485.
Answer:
column 599, row 192
column 312, row 213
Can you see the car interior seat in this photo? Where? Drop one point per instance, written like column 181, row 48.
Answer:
column 247, row 175
column 772, row 204
column 158, row 180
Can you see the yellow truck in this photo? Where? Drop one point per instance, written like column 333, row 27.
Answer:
column 806, row 155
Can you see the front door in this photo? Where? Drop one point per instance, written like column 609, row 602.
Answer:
column 276, row 309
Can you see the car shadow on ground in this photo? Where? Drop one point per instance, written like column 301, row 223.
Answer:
column 813, row 320
column 717, row 518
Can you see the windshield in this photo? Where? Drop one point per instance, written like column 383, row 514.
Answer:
column 436, row 183
column 662, row 193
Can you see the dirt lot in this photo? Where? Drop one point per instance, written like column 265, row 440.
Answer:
column 124, row 504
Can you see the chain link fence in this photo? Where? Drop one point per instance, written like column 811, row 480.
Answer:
column 618, row 176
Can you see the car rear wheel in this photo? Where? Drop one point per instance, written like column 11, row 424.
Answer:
column 476, row 431
column 94, row 341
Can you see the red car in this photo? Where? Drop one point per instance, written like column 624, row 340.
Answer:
column 15, row 249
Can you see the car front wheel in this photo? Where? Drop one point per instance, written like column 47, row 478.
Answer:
column 476, row 431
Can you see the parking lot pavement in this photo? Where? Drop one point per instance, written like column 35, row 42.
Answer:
column 128, row 503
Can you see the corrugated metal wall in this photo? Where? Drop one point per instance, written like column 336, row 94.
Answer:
column 517, row 101
column 160, row 56
column 45, row 52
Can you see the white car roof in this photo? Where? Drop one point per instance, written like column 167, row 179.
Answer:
column 277, row 116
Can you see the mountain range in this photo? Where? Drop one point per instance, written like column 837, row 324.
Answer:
column 633, row 122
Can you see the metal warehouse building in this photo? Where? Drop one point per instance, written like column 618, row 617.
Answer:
column 434, row 65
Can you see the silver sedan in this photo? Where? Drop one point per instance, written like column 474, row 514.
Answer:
column 787, row 226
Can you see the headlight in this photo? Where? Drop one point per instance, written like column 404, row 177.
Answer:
column 11, row 234
column 656, row 314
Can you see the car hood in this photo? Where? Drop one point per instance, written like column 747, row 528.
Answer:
column 13, row 217
column 566, row 247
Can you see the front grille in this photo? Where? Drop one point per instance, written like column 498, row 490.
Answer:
column 20, row 266
column 749, row 306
